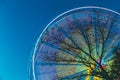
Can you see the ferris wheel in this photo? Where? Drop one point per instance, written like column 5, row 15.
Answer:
column 80, row 44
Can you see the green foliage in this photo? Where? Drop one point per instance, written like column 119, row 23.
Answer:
column 115, row 72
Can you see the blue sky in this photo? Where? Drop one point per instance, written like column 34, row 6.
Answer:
column 21, row 22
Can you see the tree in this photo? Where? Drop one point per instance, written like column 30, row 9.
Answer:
column 115, row 72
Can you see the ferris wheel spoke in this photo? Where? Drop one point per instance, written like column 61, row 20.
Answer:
column 72, row 68
column 97, row 44
column 109, row 55
column 74, row 76
column 59, row 64
column 63, row 50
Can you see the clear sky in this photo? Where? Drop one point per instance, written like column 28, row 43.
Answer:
column 21, row 22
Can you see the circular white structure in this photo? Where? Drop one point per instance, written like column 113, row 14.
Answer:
column 77, row 45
